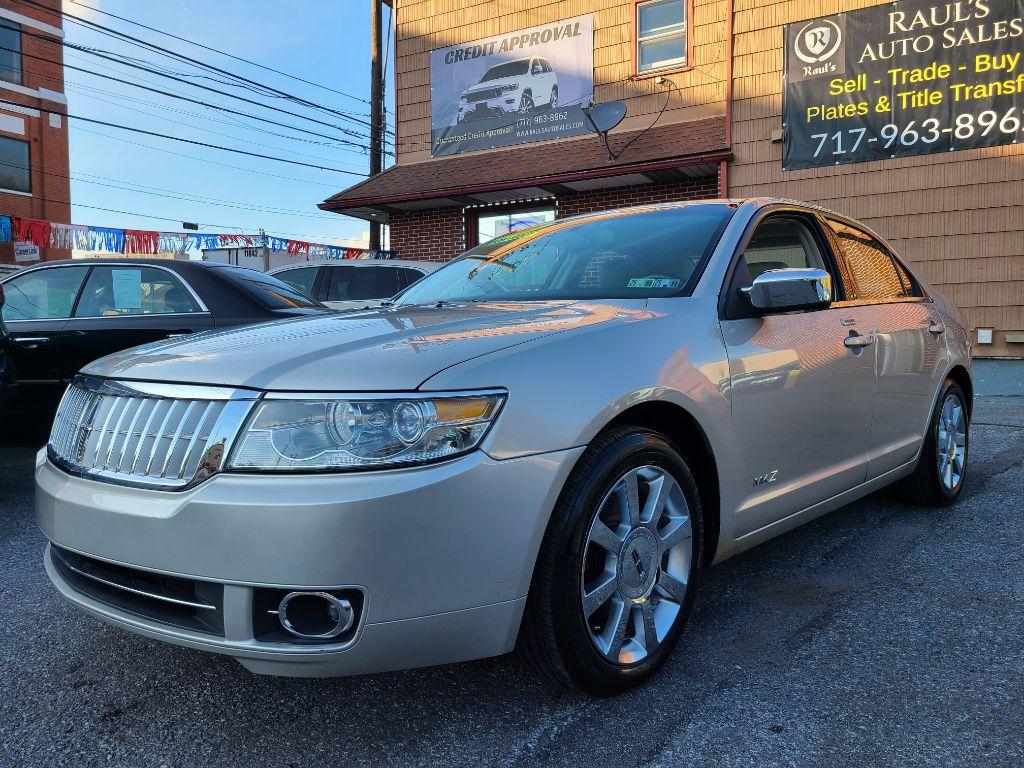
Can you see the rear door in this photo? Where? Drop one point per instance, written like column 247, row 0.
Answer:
column 911, row 351
column 801, row 398
column 125, row 306
column 38, row 306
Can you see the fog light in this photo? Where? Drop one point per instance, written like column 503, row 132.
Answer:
column 315, row 615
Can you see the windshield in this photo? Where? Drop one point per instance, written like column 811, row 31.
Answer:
column 269, row 291
column 621, row 254
column 511, row 69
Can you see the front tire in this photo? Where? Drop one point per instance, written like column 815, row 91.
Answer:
column 526, row 103
column 615, row 579
column 942, row 466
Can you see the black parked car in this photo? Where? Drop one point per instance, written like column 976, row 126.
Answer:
column 63, row 314
column 7, row 385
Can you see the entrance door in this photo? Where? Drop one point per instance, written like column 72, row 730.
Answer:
column 801, row 398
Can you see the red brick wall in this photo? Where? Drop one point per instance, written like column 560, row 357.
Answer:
column 435, row 234
column 438, row 234
column 48, row 150
column 641, row 194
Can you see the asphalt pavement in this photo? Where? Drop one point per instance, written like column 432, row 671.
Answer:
column 880, row 635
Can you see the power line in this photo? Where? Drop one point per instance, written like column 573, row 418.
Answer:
column 87, row 90
column 97, row 53
column 191, row 100
column 195, row 142
column 206, row 130
column 195, row 62
column 179, row 220
column 205, row 160
column 214, row 50
column 173, row 194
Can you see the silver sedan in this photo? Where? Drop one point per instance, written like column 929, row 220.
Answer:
column 539, row 446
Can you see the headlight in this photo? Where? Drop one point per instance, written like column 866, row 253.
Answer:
column 354, row 433
column 509, row 88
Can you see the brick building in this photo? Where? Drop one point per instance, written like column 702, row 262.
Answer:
column 703, row 82
column 34, row 161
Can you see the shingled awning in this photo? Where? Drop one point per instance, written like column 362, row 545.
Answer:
column 664, row 153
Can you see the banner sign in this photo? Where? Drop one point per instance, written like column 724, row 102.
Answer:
column 901, row 79
column 26, row 252
column 525, row 86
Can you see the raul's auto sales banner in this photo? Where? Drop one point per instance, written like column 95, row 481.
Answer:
column 904, row 78
column 528, row 85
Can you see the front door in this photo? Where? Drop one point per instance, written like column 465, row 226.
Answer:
column 38, row 305
column 801, row 397
column 125, row 306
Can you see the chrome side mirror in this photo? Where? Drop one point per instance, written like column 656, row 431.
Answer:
column 788, row 290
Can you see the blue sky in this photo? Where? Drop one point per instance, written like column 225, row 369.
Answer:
column 324, row 41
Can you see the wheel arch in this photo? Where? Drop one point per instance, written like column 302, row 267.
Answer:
column 680, row 426
column 962, row 377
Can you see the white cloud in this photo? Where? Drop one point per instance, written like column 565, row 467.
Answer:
column 89, row 13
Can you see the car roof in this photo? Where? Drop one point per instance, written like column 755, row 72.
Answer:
column 180, row 266
column 429, row 266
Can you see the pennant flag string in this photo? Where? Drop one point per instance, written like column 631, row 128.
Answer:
column 82, row 237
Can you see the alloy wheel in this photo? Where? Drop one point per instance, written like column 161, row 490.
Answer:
column 951, row 437
column 526, row 103
column 636, row 565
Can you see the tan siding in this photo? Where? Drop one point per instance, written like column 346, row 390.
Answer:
column 424, row 25
column 958, row 217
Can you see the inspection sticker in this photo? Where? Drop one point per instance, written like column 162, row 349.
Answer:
column 654, row 282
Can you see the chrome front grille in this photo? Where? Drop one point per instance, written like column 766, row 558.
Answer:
column 147, row 434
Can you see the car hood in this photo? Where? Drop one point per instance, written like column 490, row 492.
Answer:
column 489, row 84
column 386, row 348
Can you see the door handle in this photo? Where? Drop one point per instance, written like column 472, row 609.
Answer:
column 856, row 341
column 27, row 340
column 937, row 328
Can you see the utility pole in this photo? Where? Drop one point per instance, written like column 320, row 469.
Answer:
column 376, row 109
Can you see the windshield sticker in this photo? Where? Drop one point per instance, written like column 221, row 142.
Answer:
column 655, row 282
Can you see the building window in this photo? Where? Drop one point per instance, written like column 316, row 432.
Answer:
column 10, row 51
column 490, row 226
column 660, row 35
column 14, row 174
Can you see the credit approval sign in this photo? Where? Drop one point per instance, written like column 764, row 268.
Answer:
column 901, row 79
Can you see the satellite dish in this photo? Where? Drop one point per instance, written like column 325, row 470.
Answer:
column 603, row 117
column 607, row 115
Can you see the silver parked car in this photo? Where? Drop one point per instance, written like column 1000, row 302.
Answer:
column 541, row 444
column 353, row 283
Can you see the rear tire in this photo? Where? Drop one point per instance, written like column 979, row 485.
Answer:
column 572, row 634
column 941, row 468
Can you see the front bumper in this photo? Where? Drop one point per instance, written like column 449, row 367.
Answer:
column 496, row 107
column 443, row 554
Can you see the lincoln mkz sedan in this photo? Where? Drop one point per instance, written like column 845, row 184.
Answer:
column 540, row 445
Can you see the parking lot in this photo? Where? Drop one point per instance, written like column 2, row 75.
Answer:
column 882, row 634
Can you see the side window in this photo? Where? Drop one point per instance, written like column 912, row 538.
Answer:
column 352, row 284
column 43, row 294
column 869, row 271
column 408, row 276
column 389, row 281
column 300, row 279
column 132, row 290
column 782, row 242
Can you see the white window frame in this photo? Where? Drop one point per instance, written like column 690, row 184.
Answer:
column 664, row 33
